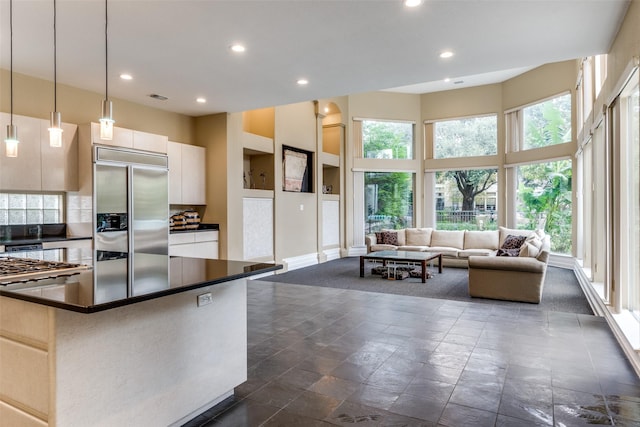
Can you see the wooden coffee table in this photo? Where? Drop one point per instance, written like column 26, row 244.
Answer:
column 403, row 256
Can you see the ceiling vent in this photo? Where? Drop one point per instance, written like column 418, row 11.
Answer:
column 158, row 97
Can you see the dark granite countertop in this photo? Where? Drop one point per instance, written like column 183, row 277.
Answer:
column 117, row 279
column 26, row 241
column 201, row 227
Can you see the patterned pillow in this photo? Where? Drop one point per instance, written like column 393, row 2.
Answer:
column 379, row 237
column 390, row 238
column 513, row 242
column 508, row 252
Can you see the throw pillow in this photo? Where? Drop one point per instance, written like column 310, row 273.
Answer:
column 513, row 242
column 508, row 252
column 379, row 237
column 418, row 236
column 535, row 241
column 529, row 250
column 390, row 238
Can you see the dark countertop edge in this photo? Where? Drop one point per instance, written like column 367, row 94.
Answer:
column 140, row 298
column 43, row 240
column 195, row 230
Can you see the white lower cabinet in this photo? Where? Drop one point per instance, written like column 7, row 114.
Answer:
column 198, row 244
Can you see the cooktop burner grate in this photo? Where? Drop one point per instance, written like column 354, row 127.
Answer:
column 19, row 269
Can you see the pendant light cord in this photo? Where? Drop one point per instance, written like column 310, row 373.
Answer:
column 106, row 52
column 11, row 55
column 55, row 64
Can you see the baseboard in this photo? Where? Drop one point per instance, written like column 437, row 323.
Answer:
column 300, row 261
column 356, row 250
column 331, row 254
column 202, row 409
column 595, row 302
column 600, row 309
column 562, row 261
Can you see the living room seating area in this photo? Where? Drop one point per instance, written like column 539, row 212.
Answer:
column 506, row 264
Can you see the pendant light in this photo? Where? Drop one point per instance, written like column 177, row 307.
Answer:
column 106, row 120
column 55, row 128
column 11, row 140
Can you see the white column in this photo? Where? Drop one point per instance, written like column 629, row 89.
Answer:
column 429, row 199
column 358, row 210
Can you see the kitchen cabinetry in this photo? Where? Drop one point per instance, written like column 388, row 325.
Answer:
column 39, row 167
column 59, row 164
column 128, row 138
column 197, row 244
column 186, row 174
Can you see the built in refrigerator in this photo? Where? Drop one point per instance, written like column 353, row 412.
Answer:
column 131, row 205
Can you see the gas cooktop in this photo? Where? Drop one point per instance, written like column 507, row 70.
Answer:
column 17, row 270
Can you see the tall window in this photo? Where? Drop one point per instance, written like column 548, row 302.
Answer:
column 547, row 123
column 630, row 136
column 388, row 200
column 466, row 200
column 474, row 136
column 387, row 140
column 544, row 201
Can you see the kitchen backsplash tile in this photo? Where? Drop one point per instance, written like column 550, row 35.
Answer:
column 50, row 216
column 17, row 209
column 35, row 216
column 34, row 201
column 17, row 201
column 50, row 201
column 17, row 216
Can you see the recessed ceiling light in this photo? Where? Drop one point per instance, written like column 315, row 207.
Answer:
column 446, row 54
column 447, row 80
column 126, row 76
column 412, row 3
column 238, row 48
column 303, row 82
column 201, row 100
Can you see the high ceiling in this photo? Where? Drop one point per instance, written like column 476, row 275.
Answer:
column 181, row 48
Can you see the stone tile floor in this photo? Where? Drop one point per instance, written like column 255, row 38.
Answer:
column 322, row 357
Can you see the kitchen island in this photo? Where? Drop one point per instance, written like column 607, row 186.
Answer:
column 138, row 339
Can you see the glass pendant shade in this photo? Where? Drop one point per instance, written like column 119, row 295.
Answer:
column 11, row 141
column 106, row 122
column 55, row 130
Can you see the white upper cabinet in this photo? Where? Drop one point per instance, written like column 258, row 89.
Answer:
column 22, row 172
column 59, row 164
column 38, row 166
column 128, row 138
column 193, row 175
column 186, row 174
column 149, row 142
column 174, row 152
column 121, row 137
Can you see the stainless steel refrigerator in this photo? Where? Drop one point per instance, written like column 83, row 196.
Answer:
column 131, row 205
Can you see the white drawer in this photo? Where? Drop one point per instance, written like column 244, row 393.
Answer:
column 206, row 236
column 181, row 238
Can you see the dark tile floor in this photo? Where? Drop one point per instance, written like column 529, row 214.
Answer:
column 322, row 357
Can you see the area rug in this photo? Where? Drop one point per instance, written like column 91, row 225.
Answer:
column 562, row 292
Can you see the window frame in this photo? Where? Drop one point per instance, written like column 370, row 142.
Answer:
column 413, row 137
column 432, row 124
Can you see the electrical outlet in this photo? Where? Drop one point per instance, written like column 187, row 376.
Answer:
column 205, row 299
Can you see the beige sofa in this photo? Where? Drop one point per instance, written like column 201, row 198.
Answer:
column 517, row 278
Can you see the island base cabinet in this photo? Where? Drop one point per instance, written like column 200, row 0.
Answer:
column 158, row 362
